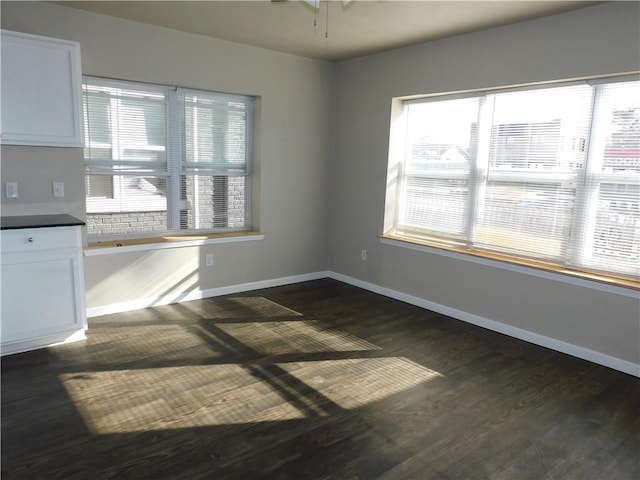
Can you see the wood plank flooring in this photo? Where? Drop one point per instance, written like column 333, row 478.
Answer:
column 317, row 380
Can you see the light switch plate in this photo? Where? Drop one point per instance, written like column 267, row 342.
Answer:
column 11, row 189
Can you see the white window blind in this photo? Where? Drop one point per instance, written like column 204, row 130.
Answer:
column 608, row 235
column 441, row 140
column 536, row 156
column 162, row 159
column 549, row 174
column 215, row 161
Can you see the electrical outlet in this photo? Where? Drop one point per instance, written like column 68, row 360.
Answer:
column 58, row 189
column 363, row 255
column 208, row 259
column 11, row 189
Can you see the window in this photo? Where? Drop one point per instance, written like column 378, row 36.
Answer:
column 165, row 160
column 550, row 174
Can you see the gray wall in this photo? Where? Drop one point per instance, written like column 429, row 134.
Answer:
column 34, row 168
column 597, row 40
column 291, row 150
column 319, row 193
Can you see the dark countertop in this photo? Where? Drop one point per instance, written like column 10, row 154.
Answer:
column 38, row 221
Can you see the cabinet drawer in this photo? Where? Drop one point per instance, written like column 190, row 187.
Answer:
column 34, row 239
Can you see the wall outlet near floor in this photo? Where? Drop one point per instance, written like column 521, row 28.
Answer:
column 208, row 260
column 58, row 189
column 363, row 255
column 11, row 189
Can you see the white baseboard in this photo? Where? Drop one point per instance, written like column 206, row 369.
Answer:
column 200, row 294
column 531, row 337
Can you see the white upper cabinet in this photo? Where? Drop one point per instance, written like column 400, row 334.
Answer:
column 41, row 91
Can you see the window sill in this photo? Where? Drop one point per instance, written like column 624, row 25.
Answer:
column 170, row 241
column 623, row 286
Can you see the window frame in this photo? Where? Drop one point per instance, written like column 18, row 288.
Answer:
column 589, row 179
column 175, row 166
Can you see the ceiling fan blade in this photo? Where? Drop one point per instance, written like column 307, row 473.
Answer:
column 345, row 2
column 313, row 3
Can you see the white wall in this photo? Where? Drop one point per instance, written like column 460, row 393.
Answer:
column 603, row 39
column 291, row 151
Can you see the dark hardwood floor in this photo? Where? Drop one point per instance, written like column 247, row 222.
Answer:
column 318, row 380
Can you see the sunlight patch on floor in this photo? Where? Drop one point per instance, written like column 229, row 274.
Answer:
column 174, row 398
column 353, row 383
column 207, row 395
column 264, row 307
column 239, row 308
column 135, row 343
column 278, row 338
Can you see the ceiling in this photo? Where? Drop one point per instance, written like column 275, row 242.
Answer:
column 360, row 28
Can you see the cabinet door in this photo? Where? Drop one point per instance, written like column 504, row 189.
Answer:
column 38, row 295
column 41, row 91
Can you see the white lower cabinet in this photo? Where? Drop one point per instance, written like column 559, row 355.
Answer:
column 42, row 288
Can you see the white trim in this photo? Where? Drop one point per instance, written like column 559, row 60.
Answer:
column 200, row 294
column 90, row 252
column 565, row 82
column 528, row 336
column 531, row 337
column 557, row 277
column 51, row 340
